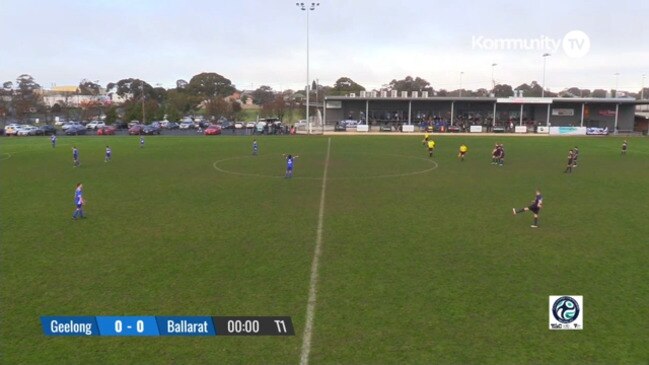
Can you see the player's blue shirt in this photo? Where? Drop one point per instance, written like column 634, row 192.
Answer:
column 108, row 151
column 255, row 146
column 78, row 199
column 53, row 138
column 141, row 140
column 75, row 153
column 289, row 163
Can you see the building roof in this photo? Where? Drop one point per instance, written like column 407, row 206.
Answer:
column 65, row 89
column 524, row 100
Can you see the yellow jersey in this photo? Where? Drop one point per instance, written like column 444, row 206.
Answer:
column 431, row 144
column 463, row 148
column 426, row 136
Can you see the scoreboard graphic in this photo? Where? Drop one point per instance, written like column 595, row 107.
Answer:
column 166, row 326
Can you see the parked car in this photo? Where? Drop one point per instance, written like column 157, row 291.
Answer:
column 186, row 125
column 46, row 130
column 150, row 129
column 213, row 130
column 66, row 126
column 27, row 130
column 300, row 124
column 238, row 125
column 250, row 125
column 60, row 122
column 95, row 124
column 108, row 130
column 172, row 125
column 11, row 129
column 227, row 125
column 75, row 130
column 136, row 129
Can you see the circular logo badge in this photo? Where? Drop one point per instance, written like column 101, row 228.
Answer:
column 576, row 44
column 565, row 310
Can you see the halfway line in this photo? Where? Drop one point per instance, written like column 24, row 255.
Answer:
column 313, row 290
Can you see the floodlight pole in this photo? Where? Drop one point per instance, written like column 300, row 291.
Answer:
column 307, row 8
column 545, row 57
column 642, row 89
column 493, row 80
column 461, row 73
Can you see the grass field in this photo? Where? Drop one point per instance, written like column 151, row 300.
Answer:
column 422, row 261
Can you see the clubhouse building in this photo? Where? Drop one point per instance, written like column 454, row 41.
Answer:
column 415, row 108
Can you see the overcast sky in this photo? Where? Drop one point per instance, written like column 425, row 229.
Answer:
column 263, row 42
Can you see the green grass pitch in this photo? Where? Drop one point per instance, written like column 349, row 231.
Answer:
column 422, row 261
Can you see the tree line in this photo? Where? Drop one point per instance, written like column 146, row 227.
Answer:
column 213, row 96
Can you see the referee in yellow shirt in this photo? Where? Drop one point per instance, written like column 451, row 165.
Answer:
column 463, row 150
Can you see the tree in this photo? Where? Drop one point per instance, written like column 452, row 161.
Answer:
column 598, row 93
column 181, row 84
column 263, row 95
column 410, row 84
column 503, row 91
column 26, row 100
column 279, row 107
column 131, row 88
column 345, row 85
column 111, row 115
column 210, row 84
column 88, row 88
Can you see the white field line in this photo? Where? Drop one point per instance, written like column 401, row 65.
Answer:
column 313, row 284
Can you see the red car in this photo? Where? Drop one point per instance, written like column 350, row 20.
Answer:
column 108, row 130
column 136, row 129
column 213, row 130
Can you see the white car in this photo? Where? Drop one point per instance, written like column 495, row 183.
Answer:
column 95, row 125
column 186, row 125
column 59, row 123
column 300, row 124
column 26, row 130
column 250, row 125
column 238, row 125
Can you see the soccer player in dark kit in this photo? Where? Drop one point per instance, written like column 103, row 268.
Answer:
column 535, row 208
column 571, row 161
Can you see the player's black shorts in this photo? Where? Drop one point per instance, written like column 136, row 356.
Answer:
column 430, row 149
column 534, row 208
column 570, row 161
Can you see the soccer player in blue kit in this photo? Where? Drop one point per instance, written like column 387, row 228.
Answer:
column 78, row 202
column 255, row 147
column 535, row 207
column 53, row 140
column 108, row 154
column 75, row 156
column 141, row 142
column 289, row 165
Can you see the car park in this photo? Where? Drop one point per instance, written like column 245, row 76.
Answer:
column 46, row 130
column 95, row 124
column 75, row 130
column 186, row 125
column 11, row 129
column 136, row 129
column 27, row 130
column 150, row 130
column 108, row 130
column 66, row 126
column 213, row 130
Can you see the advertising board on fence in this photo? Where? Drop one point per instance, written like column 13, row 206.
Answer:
column 408, row 128
column 362, row 128
column 568, row 131
column 476, row 129
column 520, row 129
column 597, row 131
column 544, row 130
